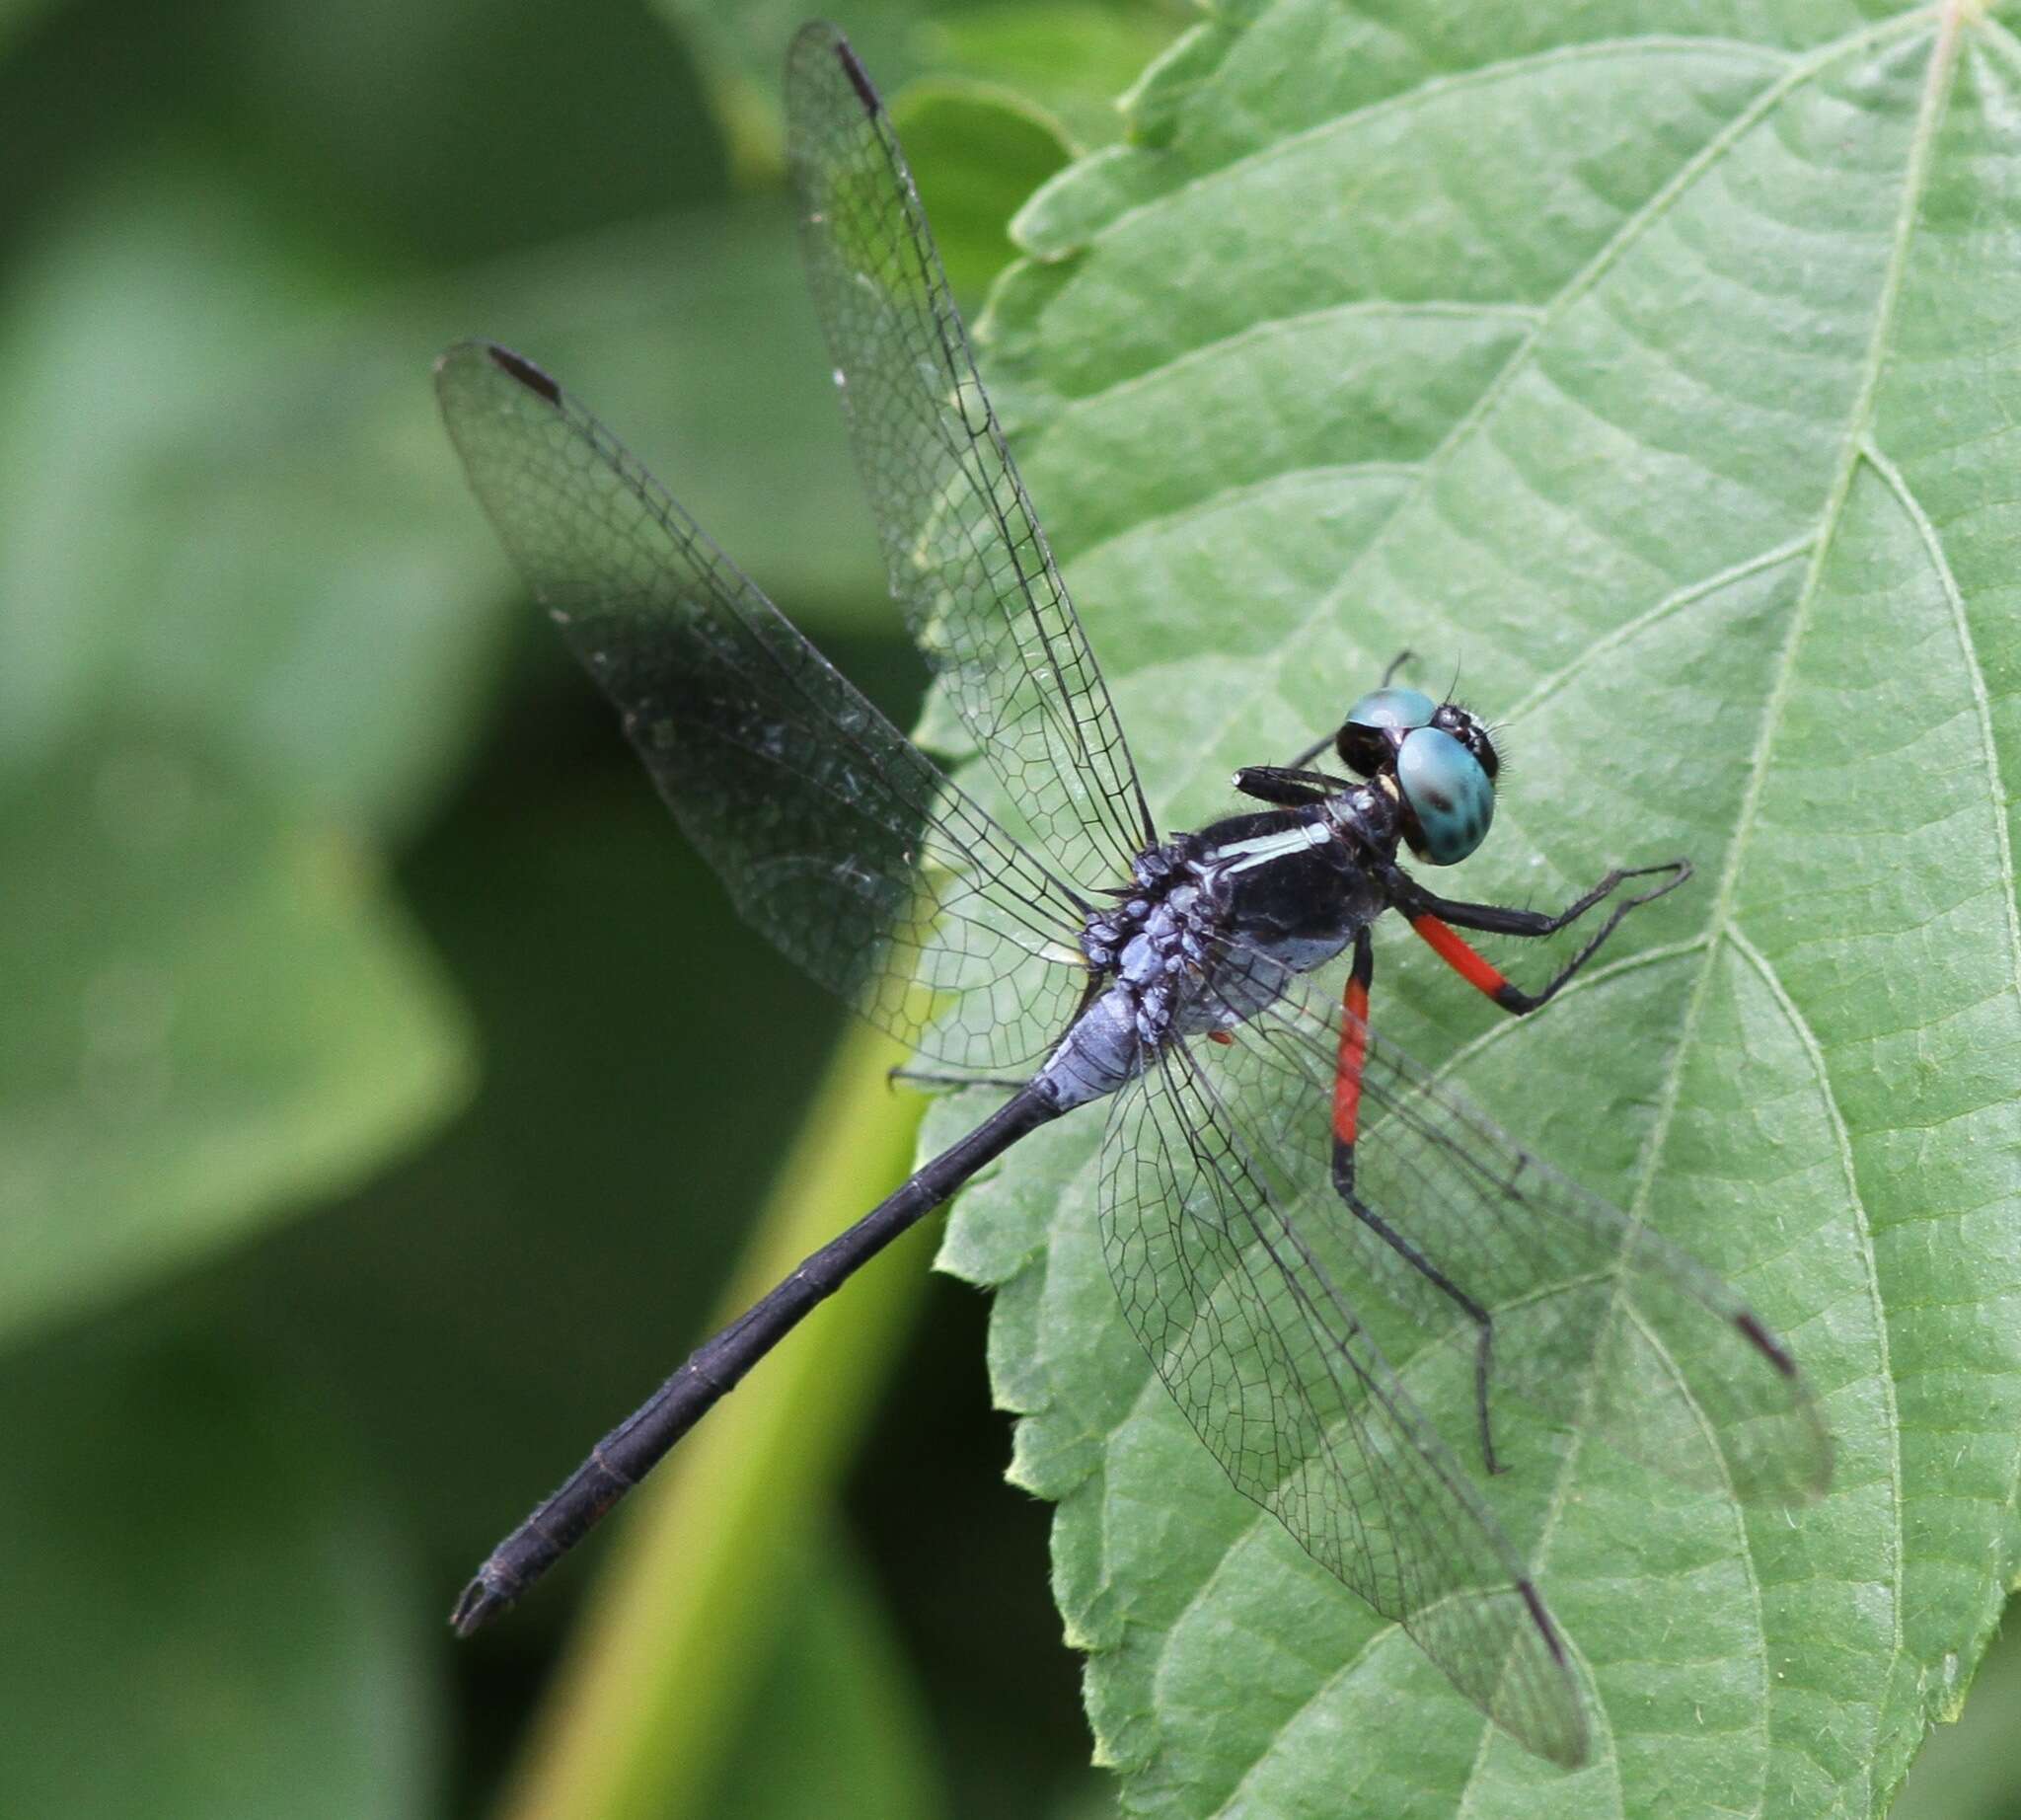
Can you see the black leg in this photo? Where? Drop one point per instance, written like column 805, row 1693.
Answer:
column 1347, row 1093
column 1312, row 751
column 1433, row 917
column 1287, row 787
column 1483, row 1322
column 1323, row 743
column 1500, row 920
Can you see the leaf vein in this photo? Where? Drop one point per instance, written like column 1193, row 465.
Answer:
column 1631, row 229
column 1954, row 598
column 1800, row 1026
column 1271, row 327
column 1436, row 88
column 1227, row 496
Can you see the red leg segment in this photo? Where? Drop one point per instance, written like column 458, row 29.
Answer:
column 1459, row 953
column 1354, row 1052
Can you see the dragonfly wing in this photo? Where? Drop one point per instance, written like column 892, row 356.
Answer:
column 968, row 561
column 1278, row 1377
column 835, row 835
column 1597, row 1319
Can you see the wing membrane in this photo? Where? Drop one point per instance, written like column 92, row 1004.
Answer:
column 968, row 561
column 835, row 835
column 1597, row 1319
column 1290, row 1395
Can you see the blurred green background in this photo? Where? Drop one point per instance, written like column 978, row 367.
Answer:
column 386, row 1093
column 387, row 1096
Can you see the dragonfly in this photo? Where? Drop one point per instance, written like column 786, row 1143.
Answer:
column 1270, row 1170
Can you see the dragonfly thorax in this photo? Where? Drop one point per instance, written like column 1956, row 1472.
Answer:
column 1213, row 924
column 1292, row 885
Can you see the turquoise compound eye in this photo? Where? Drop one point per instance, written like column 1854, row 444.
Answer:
column 1404, row 707
column 1447, row 790
column 1373, row 722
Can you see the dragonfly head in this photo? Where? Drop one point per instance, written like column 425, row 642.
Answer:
column 1442, row 759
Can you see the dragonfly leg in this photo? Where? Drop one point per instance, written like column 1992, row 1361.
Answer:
column 1347, row 1093
column 1324, row 740
column 1438, row 921
column 1322, row 744
column 1287, row 786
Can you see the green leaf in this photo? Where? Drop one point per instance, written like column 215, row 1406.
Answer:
column 211, row 1016
column 220, row 513
column 205, row 1614
column 978, row 153
column 1967, row 1770
column 740, row 51
column 1652, row 365
column 1067, row 59
column 232, row 501
column 1073, row 58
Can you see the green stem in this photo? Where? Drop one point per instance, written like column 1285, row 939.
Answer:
column 684, row 1614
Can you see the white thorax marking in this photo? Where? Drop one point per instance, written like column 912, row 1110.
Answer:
column 1261, row 849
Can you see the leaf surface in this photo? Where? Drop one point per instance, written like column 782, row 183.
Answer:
column 1652, row 367
column 212, row 1018
column 234, row 508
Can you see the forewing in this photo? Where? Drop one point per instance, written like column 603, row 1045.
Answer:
column 1597, row 1320
column 969, row 564
column 833, row 833
column 1280, row 1380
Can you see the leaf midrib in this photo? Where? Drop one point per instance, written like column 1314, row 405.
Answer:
column 1722, row 925
column 1243, row 701
column 1434, row 89
column 1949, row 21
